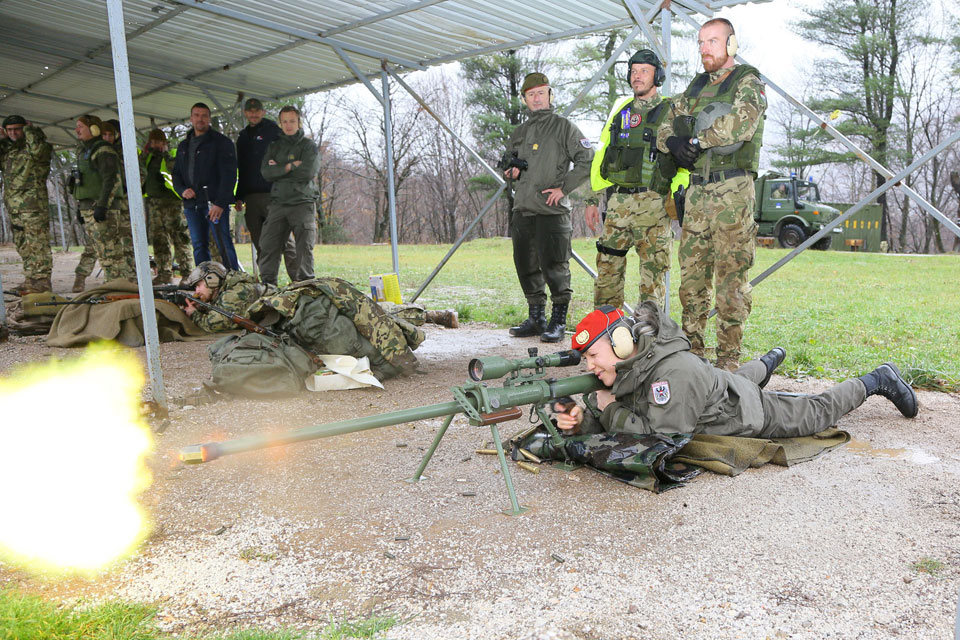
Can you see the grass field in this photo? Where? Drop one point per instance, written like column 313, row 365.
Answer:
column 28, row 617
column 838, row 314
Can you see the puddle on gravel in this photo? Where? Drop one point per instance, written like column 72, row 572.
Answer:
column 916, row 456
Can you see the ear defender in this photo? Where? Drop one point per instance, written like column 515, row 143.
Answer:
column 621, row 340
column 732, row 45
column 94, row 130
column 212, row 280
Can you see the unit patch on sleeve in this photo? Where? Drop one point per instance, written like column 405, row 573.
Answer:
column 661, row 392
column 585, row 143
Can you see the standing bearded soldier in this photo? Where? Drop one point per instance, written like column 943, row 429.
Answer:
column 25, row 161
column 715, row 130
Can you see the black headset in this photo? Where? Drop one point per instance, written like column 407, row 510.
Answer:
column 646, row 56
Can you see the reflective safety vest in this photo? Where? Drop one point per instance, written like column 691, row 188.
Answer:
column 700, row 93
column 164, row 171
column 90, row 183
column 627, row 156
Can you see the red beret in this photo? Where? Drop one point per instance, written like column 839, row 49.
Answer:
column 596, row 323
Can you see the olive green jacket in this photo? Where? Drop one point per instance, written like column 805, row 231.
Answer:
column 298, row 185
column 666, row 389
column 549, row 143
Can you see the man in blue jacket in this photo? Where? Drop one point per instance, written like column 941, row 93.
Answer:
column 204, row 177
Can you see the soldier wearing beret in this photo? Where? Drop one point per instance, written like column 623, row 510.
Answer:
column 25, row 162
column 656, row 385
column 557, row 158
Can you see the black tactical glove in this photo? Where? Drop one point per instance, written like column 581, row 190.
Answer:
column 99, row 214
column 80, row 217
column 685, row 153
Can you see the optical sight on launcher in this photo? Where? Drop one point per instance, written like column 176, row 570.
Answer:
column 526, row 384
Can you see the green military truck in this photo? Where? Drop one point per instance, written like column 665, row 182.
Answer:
column 791, row 211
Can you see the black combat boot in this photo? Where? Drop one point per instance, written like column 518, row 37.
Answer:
column 886, row 381
column 535, row 323
column 771, row 360
column 558, row 324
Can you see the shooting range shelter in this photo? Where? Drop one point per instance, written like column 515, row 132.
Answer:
column 150, row 60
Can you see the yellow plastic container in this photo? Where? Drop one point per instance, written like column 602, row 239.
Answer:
column 385, row 287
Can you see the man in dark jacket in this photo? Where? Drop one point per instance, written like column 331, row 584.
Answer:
column 253, row 191
column 204, row 177
column 656, row 385
column 291, row 164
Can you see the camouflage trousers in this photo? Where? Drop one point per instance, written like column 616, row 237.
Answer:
column 168, row 227
column 87, row 259
column 541, row 255
column 635, row 220
column 718, row 243
column 31, row 236
column 112, row 240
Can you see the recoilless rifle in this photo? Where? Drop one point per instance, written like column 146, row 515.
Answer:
column 525, row 383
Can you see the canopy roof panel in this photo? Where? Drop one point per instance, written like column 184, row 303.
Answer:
column 55, row 57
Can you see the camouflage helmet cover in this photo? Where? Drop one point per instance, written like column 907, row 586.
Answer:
column 211, row 272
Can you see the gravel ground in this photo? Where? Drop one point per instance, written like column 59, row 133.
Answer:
column 328, row 529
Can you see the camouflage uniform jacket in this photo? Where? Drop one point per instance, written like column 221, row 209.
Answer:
column 667, row 389
column 237, row 293
column 26, row 165
column 549, row 143
column 391, row 339
column 749, row 105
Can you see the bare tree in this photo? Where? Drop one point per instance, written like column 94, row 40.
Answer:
column 365, row 127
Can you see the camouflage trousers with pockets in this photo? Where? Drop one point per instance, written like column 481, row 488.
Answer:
column 635, row 220
column 717, row 249
column 169, row 227
column 112, row 240
column 31, row 237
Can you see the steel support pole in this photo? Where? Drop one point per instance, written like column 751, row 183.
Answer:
column 121, row 76
column 892, row 182
column 665, row 26
column 391, row 188
column 59, row 177
column 602, row 70
column 460, row 241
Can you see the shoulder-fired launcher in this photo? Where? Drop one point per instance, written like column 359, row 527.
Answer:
column 526, row 384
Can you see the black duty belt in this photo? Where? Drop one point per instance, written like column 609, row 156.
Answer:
column 717, row 176
column 619, row 189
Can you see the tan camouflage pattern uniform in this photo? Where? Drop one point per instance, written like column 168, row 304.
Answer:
column 87, row 260
column 393, row 337
column 165, row 215
column 26, row 165
column 237, row 293
column 112, row 239
column 718, row 240
column 635, row 220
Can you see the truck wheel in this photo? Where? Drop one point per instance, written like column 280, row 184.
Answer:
column 791, row 236
column 823, row 243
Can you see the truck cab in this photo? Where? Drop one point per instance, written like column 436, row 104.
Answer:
column 791, row 211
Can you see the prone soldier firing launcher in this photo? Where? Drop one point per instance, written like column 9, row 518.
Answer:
column 482, row 405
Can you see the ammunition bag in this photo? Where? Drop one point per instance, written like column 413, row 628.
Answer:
column 255, row 365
